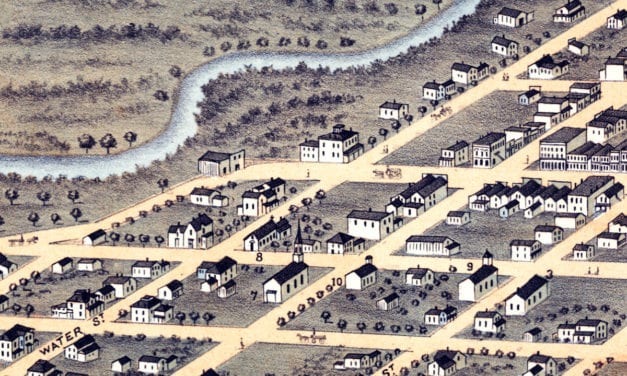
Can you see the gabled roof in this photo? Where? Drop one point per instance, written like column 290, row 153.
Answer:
column 536, row 370
column 489, row 138
column 80, row 296
column 368, row 215
column 502, row 41
column 264, row 230
column 201, row 221
column 83, row 342
column 431, row 85
column 116, row 280
column 105, row 290
column 571, row 4
column 535, row 283
column 582, row 247
column 392, row 105
column 288, row 272
column 417, row 272
column 530, row 93
column 546, row 228
column 591, row 185
column 340, row 238
column 427, row 239
column 462, row 67
column 482, row 273
column 65, row 261
column 174, row 285
column 530, row 188
column 202, row 191
column 563, row 135
column 41, row 366
column 534, row 331
column 590, row 322
column 123, row 360
column 457, row 213
column 96, row 234
column 611, row 235
column 539, row 358
column 620, row 14
column 214, row 156
column 342, row 135
column 486, row 314
column 209, row 372
column 424, row 187
column 150, row 359
column 364, row 270
column 614, row 190
column 219, row 267
column 620, row 219
column 16, row 331
column 146, row 302
column 552, row 100
column 390, row 298
column 459, row 145
column 510, row 12
column 88, row 260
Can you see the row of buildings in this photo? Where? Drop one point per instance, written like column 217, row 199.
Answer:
column 461, row 73
column 146, row 364
column 571, row 11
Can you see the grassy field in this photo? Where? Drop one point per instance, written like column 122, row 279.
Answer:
column 614, row 369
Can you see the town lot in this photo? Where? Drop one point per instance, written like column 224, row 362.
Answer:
column 487, row 230
column 20, row 260
column 280, row 359
column 604, row 254
column 571, row 299
column 156, row 223
column 359, row 306
column 614, row 369
column 40, row 338
column 115, row 346
column 492, row 113
column 52, row 289
column 239, row 310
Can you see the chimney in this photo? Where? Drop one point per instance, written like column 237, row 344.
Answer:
column 368, row 259
column 369, row 209
column 146, row 258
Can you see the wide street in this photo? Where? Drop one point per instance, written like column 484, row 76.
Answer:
column 58, row 243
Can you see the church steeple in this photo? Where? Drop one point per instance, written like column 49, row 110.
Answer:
column 298, row 255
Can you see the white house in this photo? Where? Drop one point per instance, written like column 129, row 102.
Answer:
column 458, row 218
column 339, row 146
column 149, row 268
column 570, row 220
column 569, row 12
column 541, row 365
column 83, row 350
column 488, row 150
column 389, row 302
column 618, row 224
column 362, row 277
column 504, row 46
column 64, row 265
column 360, row 360
column 532, row 293
column 615, row 67
column 95, row 238
column 214, row 163
column 618, row 20
column 583, row 331
column 170, row 291
column 446, row 362
column 530, row 96
column 267, row 233
column 610, row 240
column 481, row 282
column 582, row 199
column 578, row 48
column 548, row 234
column 583, row 252
column 466, row 74
column 222, row 271
column 198, row 233
column 262, row 199
column 287, row 281
column 16, row 343
column 122, row 285
column 512, row 17
column 83, row 304
column 393, row 110
column 207, row 197
column 121, row 365
column 42, row 368
column 425, row 245
column 547, row 69
column 437, row 91
column 524, row 250
column 419, row 276
column 341, row 243
column 455, row 155
column 89, row 264
column 440, row 317
column 489, row 322
column 369, row 224
column 150, row 310
column 155, row 365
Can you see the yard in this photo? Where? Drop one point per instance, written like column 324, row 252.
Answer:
column 116, row 346
column 280, row 359
column 40, row 338
column 571, row 299
column 50, row 289
column 356, row 311
column 613, row 369
column 604, row 254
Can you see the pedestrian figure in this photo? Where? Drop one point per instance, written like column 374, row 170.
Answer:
column 313, row 332
column 597, row 273
column 241, row 343
column 589, row 270
column 307, row 172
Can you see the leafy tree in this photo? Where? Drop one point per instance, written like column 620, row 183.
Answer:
column 228, row 229
column 11, row 195
column 181, row 317
column 35, row 276
column 163, row 184
column 396, row 125
column 44, row 197
column 325, row 315
column 86, row 141
column 383, row 132
column 307, row 201
column 208, row 317
column 321, row 195
column 115, row 237
column 293, row 190
column 422, row 110
column 361, row 326
column 159, row 240
column 275, row 245
column 130, row 137
column 437, row 2
column 421, row 9
column 73, row 195
column 236, row 222
column 1, row 221
column 76, row 213
column 29, row 309
column 409, row 118
column 16, row 308
column 176, row 71
column 129, row 238
column 194, row 316
column 293, row 210
column 372, row 140
column 162, row 95
column 434, row 103
column 33, row 217
column 143, row 238
column 341, row 324
column 55, row 217
column 108, row 141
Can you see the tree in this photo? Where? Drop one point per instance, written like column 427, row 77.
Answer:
column 228, row 229
column 44, row 197
column 372, row 140
column 422, row 110
column 194, row 316
column 162, row 95
column 130, row 137
column 208, row 317
column 29, row 309
column 33, row 217
column 293, row 210
column 396, row 125
column 73, row 195
column 460, row 89
column 321, row 195
column 108, row 141
column 163, row 184
column 129, row 238
column 325, row 315
column 437, row 2
column 86, row 141
column 341, row 324
column 383, row 132
column 361, row 326
column 275, row 245
column 55, row 217
column 434, row 103
column 159, row 240
column 307, row 201
column 35, row 276
column 16, row 308
column 76, row 213
column 408, row 118
column 11, row 195
column 13, row 288
column 421, row 9
column 176, row 71
column 114, row 236
column 181, row 317
column 143, row 238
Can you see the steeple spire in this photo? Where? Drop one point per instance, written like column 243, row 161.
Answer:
column 298, row 255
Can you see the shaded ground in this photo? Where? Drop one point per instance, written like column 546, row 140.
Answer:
column 279, row 359
column 613, row 369
column 41, row 338
column 571, row 299
column 115, row 346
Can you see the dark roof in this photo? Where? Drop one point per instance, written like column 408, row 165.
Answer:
column 582, row 247
column 566, row 325
column 482, row 273
column 209, row 372
column 589, row 322
column 150, row 359
column 264, row 230
column 105, row 290
column 620, row 14
column 462, row 67
column 458, row 146
column 571, row 4
column 457, row 213
column 417, row 272
column 283, row 225
column 534, row 331
column 116, row 280
column 84, row 341
column 96, row 234
column 535, row 370
column 123, row 360
column 522, row 242
column 16, row 331
column 424, row 187
column 562, row 193
column 530, row 93
column 81, row 296
column 502, row 41
column 342, row 135
column 88, row 260
column 547, row 62
column 489, row 138
column 214, row 156
column 310, row 143
column 584, row 85
column 352, row 149
column 340, row 238
column 620, row 219
column 3, row 298
column 368, row 215
column 229, row 284
column 285, row 274
column 364, row 270
column 218, row 267
column 64, row 261
column 552, row 100
column 611, row 235
column 539, row 358
column 431, row 85
column 510, row 12
column 41, row 366
column 531, row 286
column 201, row 221
column 426, row 239
column 588, row 149
column 147, row 301
column 143, row 264
column 354, row 356
column 176, row 228
column 546, row 228
column 576, row 43
column 512, row 204
column 590, row 185
column 614, row 190
column 202, row 191
column 562, row 135
column 392, row 105
column 175, row 284
column 486, row 314
column 390, row 298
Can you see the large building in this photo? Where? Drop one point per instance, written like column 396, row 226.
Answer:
column 555, row 147
column 481, row 282
column 582, row 199
column 214, row 163
column 532, row 293
column 289, row 280
column 489, row 150
column 512, row 17
column 547, row 69
column 615, row 67
column 262, row 199
column 369, row 224
column 16, row 342
column 339, row 146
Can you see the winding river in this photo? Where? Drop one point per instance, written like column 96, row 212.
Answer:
column 182, row 123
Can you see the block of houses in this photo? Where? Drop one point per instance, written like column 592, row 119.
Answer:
column 16, row 342
column 427, row 245
column 504, row 46
column 524, row 249
column 609, row 197
column 534, row 210
column 579, row 48
column 618, row 20
column 488, row 150
column 360, row 360
column 341, row 243
column 287, row 281
column 83, row 304
column 488, row 197
column 583, row 331
column 89, row 264
column 83, row 350
column 618, row 224
column 362, row 277
column 208, row 197
column 455, row 155
column 197, row 233
column 339, row 146
column 540, row 365
column 526, row 297
column 549, row 119
column 489, row 322
column 369, row 224
column 43, row 368
column 419, row 197
column 592, row 90
column 419, row 276
column 440, row 317
column 569, row 12
column 466, row 74
column 262, row 199
column 149, row 268
column 156, row 365
column 615, row 67
column 583, row 252
column 149, row 309
column 121, row 365
column 62, row 266
column 123, row 285
column 222, row 271
column 457, row 218
column 437, row 91
column 267, row 233
column 547, row 69
column 393, row 110
column 509, row 209
column 214, row 163
column 389, row 302
column 530, row 96
column 105, row 294
column 555, row 147
column 532, row 335
column 570, row 220
column 610, row 240
column 548, row 234
column 97, row 237
column 512, row 17
column 481, row 282
column 171, row 290
column 582, row 199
